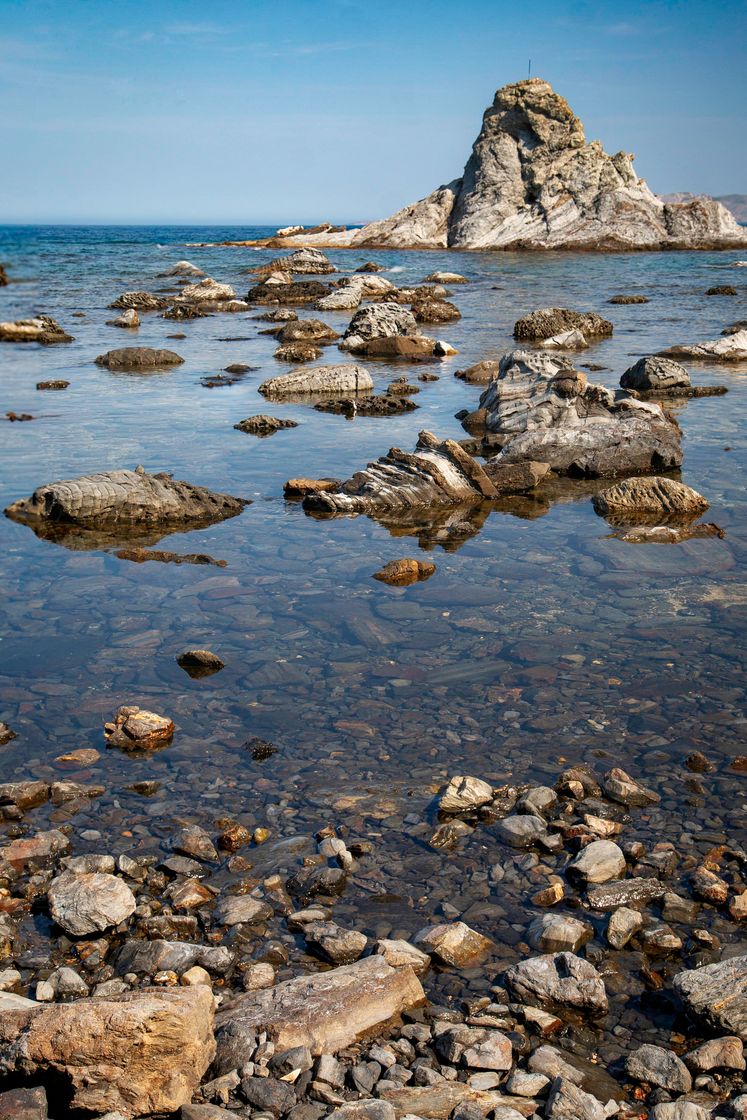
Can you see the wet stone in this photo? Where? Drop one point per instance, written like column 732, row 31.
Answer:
column 657, row 1066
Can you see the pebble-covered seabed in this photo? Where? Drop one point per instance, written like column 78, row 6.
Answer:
column 541, row 642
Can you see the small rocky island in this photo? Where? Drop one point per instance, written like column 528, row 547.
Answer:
column 534, row 182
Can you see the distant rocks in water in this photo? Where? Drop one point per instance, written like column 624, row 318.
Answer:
column 437, row 473
column 549, row 322
column 298, row 352
column 533, row 182
column 729, row 348
column 342, row 299
column 408, row 348
column 307, row 330
column 138, row 357
column 304, row 262
column 299, row 292
column 120, row 500
column 3, row 276
column 134, row 729
column 185, row 312
column 370, row 266
column 42, row 329
column 629, row 299
column 566, row 340
column 140, row 301
column 401, row 573
column 199, row 663
column 722, row 290
column 278, row 315
column 453, row 943
column 319, row 379
column 129, row 319
column 183, row 268
column 435, row 311
column 735, row 328
column 545, row 411
column 661, row 497
column 482, row 373
column 206, row 291
column 263, row 425
column 445, row 278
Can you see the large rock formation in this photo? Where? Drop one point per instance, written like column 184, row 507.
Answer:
column 533, row 182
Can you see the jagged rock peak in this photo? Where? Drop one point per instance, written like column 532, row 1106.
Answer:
column 534, row 182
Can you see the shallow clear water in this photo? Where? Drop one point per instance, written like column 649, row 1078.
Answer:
column 541, row 639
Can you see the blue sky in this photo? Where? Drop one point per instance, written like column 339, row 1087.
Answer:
column 290, row 110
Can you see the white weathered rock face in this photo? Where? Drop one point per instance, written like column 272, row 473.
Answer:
column 321, row 379
column 533, row 182
column 731, row 348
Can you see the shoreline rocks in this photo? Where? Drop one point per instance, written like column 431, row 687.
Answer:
column 42, row 329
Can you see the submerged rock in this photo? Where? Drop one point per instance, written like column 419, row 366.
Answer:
column 139, row 1053
column 628, row 299
column 298, row 352
column 262, row 425
column 320, row 379
column 136, row 729
column 400, row 573
column 54, row 386
column 42, row 328
column 138, row 357
column 123, row 498
column 379, row 404
column 551, row 321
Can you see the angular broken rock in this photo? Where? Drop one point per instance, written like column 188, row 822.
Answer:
column 482, row 373
column 463, row 794
column 453, row 943
column 717, row 994
column 717, row 1053
column 568, row 1102
column 625, row 892
column 320, row 379
column 619, row 786
column 204, row 291
column 124, row 498
column 549, row 321
column 239, row 909
column 398, row 953
column 400, row 573
column 138, row 357
column 307, row 330
column 435, row 474
column 555, row 933
column 298, row 352
column 662, row 498
column 140, row 301
column 139, row 1053
column 300, row 487
column 452, row 1098
column 89, row 903
column 262, row 425
column 623, row 924
column 43, row 329
column 136, row 729
column 325, row 1011
column 558, row 980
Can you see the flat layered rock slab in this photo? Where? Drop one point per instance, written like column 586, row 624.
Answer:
column 437, row 1102
column 136, row 1054
column 325, row 1011
column 717, row 994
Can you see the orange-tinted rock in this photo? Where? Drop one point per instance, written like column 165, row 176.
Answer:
column 400, row 573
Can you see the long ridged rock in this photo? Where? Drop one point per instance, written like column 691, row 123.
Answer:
column 124, row 498
column 320, row 379
column 661, row 497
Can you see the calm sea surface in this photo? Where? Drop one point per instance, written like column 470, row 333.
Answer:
column 541, row 639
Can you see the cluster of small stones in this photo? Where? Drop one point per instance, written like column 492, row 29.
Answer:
column 363, row 1039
